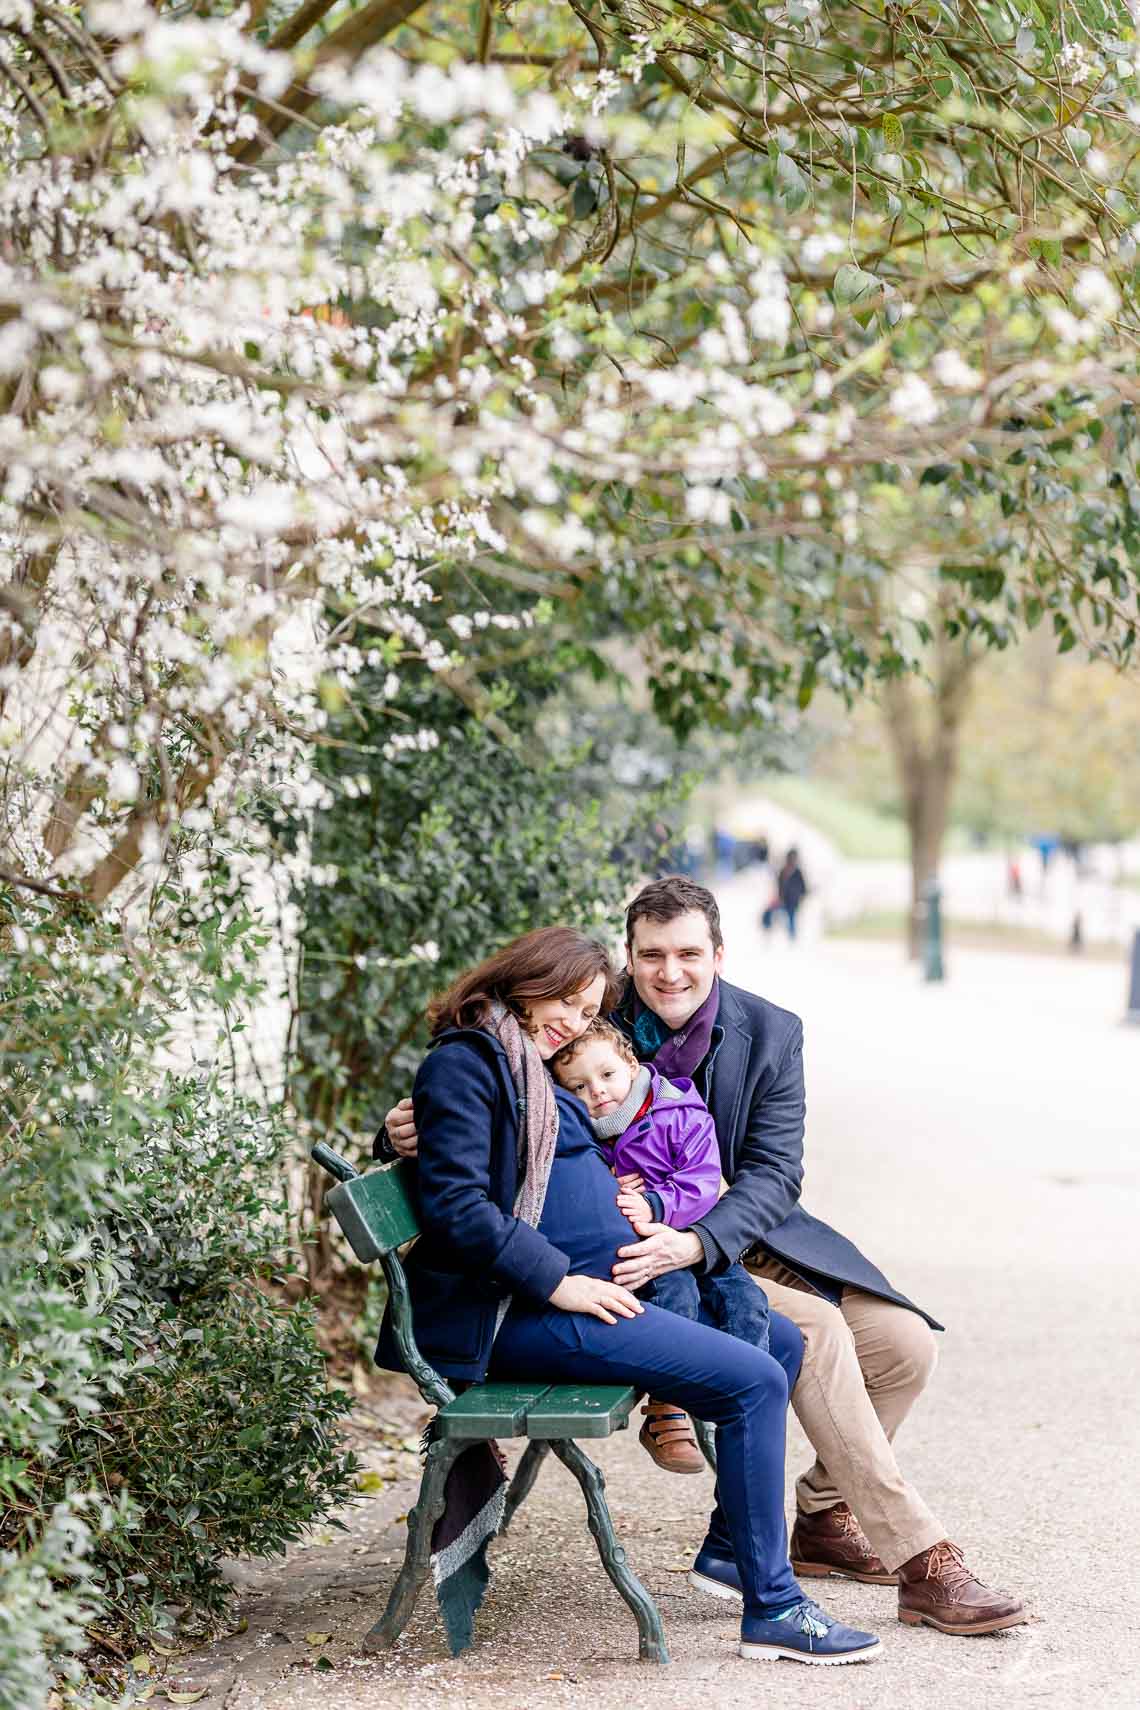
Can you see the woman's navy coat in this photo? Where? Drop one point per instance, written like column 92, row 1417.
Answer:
column 473, row 1251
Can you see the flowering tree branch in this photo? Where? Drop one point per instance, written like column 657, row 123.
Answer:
column 665, row 318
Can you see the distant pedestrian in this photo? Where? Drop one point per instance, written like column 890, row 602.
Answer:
column 724, row 852
column 791, row 889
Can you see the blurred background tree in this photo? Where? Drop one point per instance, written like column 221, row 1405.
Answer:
column 1051, row 746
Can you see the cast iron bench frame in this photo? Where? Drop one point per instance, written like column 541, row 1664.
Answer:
column 376, row 1212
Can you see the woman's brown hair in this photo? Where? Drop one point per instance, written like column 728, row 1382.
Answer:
column 552, row 962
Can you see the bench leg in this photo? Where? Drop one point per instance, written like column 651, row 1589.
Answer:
column 523, row 1482
column 706, row 1437
column 650, row 1632
column 417, row 1558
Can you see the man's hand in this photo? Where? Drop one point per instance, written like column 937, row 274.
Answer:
column 604, row 1300
column 664, row 1249
column 401, row 1126
column 637, row 1208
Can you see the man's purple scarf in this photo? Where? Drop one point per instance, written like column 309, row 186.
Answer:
column 680, row 1051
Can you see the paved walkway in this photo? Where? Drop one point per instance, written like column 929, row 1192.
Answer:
column 982, row 1141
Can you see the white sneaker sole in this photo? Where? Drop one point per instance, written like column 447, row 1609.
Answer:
column 714, row 1588
column 761, row 1653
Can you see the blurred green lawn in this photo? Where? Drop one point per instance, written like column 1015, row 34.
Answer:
column 860, row 832
column 974, row 935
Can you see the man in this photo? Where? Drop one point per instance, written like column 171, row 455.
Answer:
column 868, row 1350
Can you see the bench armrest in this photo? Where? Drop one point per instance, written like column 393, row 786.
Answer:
column 427, row 1380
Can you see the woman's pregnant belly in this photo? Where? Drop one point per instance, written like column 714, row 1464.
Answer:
column 580, row 1214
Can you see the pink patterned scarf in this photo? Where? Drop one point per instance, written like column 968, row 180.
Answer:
column 538, row 1112
column 475, row 1491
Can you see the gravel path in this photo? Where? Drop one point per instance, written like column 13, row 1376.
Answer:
column 981, row 1141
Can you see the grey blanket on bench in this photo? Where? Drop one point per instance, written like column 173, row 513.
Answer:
column 475, row 1497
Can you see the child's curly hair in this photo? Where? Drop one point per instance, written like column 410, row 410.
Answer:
column 598, row 1029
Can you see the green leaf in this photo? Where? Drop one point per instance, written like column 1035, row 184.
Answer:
column 856, row 290
column 791, row 185
column 585, row 198
column 894, row 135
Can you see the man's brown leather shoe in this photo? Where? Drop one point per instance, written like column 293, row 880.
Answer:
column 937, row 1589
column 834, row 1542
column 667, row 1436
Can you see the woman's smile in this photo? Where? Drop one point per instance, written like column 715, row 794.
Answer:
column 553, row 1022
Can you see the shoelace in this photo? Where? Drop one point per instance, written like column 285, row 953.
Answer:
column 945, row 1564
column 808, row 1617
column 850, row 1528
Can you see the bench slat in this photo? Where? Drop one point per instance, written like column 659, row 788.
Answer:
column 581, row 1410
column 491, row 1410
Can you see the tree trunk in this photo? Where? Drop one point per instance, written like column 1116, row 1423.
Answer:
column 928, row 789
column 924, row 725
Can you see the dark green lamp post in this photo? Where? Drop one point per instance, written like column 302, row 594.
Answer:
column 933, row 967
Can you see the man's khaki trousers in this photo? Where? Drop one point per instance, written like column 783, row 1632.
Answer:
column 866, row 1362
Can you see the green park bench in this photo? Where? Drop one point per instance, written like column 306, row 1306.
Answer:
column 376, row 1212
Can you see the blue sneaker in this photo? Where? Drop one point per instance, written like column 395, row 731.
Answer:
column 805, row 1634
column 716, row 1576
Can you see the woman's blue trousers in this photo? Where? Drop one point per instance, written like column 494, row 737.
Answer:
column 740, row 1390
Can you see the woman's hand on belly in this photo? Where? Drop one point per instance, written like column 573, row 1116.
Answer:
column 605, row 1300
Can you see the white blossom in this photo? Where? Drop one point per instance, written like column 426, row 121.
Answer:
column 913, row 401
column 953, row 371
column 819, row 246
column 706, row 504
column 123, row 781
column 1095, row 293
column 769, row 311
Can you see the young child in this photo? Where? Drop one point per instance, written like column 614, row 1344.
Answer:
column 660, row 1142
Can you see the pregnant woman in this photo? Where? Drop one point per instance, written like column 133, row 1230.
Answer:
column 511, row 1278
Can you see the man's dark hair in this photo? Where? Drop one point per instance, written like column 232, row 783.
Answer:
column 665, row 899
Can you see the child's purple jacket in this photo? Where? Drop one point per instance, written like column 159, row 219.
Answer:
column 674, row 1149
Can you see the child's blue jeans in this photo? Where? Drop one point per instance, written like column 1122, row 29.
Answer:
column 732, row 1301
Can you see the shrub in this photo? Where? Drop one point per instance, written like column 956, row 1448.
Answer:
column 142, row 1215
